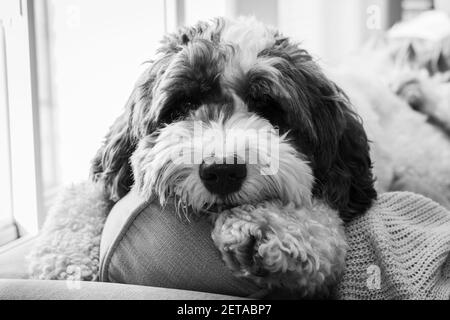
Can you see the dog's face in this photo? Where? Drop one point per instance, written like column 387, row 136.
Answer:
column 221, row 155
column 230, row 113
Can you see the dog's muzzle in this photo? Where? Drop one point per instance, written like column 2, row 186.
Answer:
column 222, row 179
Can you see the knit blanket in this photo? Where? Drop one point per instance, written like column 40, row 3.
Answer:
column 398, row 250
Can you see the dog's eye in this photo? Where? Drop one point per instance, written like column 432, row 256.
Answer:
column 269, row 110
column 188, row 106
column 177, row 111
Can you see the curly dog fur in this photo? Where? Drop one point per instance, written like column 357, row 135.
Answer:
column 240, row 80
column 230, row 78
column 239, row 76
column 296, row 247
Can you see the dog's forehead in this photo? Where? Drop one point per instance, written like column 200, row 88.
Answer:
column 214, row 63
column 249, row 37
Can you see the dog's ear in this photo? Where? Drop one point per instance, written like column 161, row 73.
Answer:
column 342, row 163
column 332, row 135
column 342, row 158
column 111, row 164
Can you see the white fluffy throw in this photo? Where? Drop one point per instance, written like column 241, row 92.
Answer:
column 68, row 246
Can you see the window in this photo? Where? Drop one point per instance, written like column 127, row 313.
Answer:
column 91, row 55
column 7, row 229
column 18, row 103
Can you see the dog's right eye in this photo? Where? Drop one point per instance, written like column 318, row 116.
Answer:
column 188, row 106
column 269, row 109
column 177, row 111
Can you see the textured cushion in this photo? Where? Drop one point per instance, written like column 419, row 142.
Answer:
column 145, row 244
column 398, row 250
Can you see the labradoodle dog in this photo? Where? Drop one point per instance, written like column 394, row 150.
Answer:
column 235, row 122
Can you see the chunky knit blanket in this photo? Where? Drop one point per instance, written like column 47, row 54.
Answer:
column 398, row 250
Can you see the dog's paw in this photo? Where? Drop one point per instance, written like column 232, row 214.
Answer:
column 239, row 239
column 282, row 246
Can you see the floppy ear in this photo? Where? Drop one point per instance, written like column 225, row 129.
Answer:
column 111, row 164
column 332, row 136
column 342, row 163
column 344, row 168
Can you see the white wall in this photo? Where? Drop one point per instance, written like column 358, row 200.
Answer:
column 196, row 10
column 443, row 5
column 332, row 29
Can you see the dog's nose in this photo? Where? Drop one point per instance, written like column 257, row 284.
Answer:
column 223, row 179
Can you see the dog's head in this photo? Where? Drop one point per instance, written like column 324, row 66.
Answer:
column 232, row 112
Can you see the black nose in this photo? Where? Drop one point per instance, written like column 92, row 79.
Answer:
column 222, row 179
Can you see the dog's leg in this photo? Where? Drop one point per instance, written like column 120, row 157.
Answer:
column 69, row 242
column 302, row 250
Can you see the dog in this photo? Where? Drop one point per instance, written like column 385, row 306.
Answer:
column 248, row 75
column 237, row 78
column 311, row 148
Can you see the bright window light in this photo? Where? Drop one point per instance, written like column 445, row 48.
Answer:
column 98, row 51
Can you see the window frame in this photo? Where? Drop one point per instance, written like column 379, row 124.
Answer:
column 21, row 103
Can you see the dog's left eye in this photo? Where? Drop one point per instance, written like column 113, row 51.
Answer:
column 188, row 106
column 177, row 111
column 268, row 109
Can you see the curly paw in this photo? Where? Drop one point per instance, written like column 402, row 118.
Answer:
column 282, row 246
column 238, row 240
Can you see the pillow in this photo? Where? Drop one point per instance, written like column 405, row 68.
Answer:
column 145, row 244
column 399, row 249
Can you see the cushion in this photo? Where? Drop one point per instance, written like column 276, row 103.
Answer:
column 145, row 244
column 399, row 249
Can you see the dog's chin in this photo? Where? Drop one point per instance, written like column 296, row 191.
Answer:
column 223, row 205
column 212, row 208
column 190, row 197
column 215, row 204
